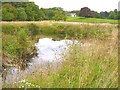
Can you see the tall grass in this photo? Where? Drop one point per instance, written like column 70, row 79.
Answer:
column 60, row 30
column 84, row 67
column 17, row 46
column 94, row 66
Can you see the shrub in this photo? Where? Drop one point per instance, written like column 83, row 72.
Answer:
column 33, row 29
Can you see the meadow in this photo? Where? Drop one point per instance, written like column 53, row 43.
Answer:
column 92, row 20
column 94, row 66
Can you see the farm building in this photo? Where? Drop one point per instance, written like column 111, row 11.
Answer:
column 72, row 14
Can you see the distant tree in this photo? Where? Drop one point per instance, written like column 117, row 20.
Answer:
column 0, row 14
column 41, row 14
column 115, row 11
column 18, row 4
column 0, row 5
column 56, row 8
column 36, row 10
column 93, row 14
column 29, row 11
column 8, row 12
column 116, row 14
column 85, row 12
column 49, row 14
column 104, row 14
column 55, row 13
column 112, row 15
column 21, row 14
column 98, row 15
column 59, row 15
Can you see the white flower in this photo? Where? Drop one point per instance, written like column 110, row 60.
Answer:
column 22, row 86
column 22, row 81
column 28, row 83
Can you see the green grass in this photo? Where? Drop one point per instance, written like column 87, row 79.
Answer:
column 91, row 20
column 94, row 66
column 85, row 67
column 17, row 46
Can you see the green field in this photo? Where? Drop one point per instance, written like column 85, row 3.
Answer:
column 92, row 20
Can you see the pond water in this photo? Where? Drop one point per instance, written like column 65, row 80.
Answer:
column 49, row 51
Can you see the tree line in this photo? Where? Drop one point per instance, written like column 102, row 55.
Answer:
column 29, row 11
column 86, row 12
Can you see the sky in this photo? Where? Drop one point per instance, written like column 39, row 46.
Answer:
column 69, row 5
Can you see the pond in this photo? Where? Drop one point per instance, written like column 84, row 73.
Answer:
column 49, row 51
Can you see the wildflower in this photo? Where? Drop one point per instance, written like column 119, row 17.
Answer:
column 22, row 86
column 22, row 81
column 28, row 83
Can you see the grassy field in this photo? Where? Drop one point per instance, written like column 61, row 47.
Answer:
column 94, row 66
column 92, row 20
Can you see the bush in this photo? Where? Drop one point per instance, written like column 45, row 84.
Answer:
column 33, row 29
column 10, row 45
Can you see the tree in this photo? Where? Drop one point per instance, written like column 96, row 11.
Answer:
column 56, row 8
column 0, row 14
column 41, row 14
column 86, row 12
column 98, row 15
column 21, row 14
column 115, row 11
column 112, row 15
column 116, row 14
column 93, row 14
column 29, row 11
column 8, row 12
column 104, row 14
column 55, row 13
column 36, row 10
column 49, row 14
column 59, row 15
column 18, row 4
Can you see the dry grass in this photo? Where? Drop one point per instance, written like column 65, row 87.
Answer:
column 52, row 22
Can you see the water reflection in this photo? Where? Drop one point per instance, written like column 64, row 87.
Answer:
column 49, row 52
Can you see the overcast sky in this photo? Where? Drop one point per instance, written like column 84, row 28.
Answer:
column 69, row 5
